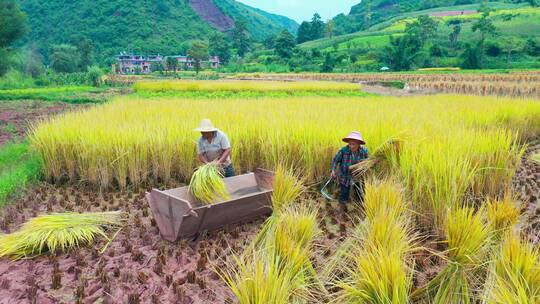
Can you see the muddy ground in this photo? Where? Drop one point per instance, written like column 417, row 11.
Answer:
column 15, row 116
column 526, row 185
column 137, row 267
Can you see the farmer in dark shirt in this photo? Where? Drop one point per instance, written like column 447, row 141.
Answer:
column 353, row 153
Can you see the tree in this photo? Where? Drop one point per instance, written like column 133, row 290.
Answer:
column 241, row 41
column 304, row 32
column 171, row 64
column 422, row 29
column 317, row 27
column 95, row 76
column 221, row 47
column 485, row 26
column 511, row 45
column 64, row 58
column 157, row 67
column 198, row 52
column 470, row 58
column 328, row 65
column 12, row 23
column 85, row 48
column 330, row 26
column 33, row 62
column 454, row 35
column 401, row 54
column 12, row 27
column 285, row 44
column 532, row 47
column 367, row 15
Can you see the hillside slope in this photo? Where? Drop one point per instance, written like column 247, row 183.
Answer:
column 517, row 27
column 163, row 26
column 385, row 9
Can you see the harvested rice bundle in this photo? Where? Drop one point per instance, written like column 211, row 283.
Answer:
column 207, row 184
column 288, row 186
column 385, row 153
column 57, row 232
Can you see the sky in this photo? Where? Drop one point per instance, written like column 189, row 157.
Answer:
column 301, row 10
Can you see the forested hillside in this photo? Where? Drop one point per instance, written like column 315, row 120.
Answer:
column 164, row 26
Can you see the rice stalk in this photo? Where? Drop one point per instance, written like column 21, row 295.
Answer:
column 515, row 273
column 207, row 184
column 288, row 186
column 277, row 267
column 57, row 232
column 502, row 215
column 468, row 237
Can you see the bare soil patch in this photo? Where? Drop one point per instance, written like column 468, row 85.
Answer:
column 526, row 186
column 16, row 116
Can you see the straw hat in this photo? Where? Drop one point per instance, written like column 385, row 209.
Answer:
column 354, row 135
column 206, row 126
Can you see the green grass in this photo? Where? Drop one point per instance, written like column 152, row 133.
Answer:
column 536, row 157
column 18, row 168
column 71, row 94
column 247, row 94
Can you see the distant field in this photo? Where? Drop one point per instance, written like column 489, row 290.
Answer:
column 71, row 94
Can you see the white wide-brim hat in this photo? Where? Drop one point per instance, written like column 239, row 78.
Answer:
column 206, row 126
column 354, row 135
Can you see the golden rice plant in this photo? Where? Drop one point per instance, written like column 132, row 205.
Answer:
column 515, row 274
column 468, row 237
column 241, row 86
column 57, row 232
column 207, row 184
column 288, row 186
column 502, row 214
column 377, row 277
column 376, row 261
column 277, row 267
column 453, row 145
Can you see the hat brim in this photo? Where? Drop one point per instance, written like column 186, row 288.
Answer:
column 205, row 130
column 347, row 139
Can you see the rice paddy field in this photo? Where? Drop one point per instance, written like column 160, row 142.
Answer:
column 450, row 212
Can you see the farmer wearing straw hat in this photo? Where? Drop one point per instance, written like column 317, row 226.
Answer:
column 213, row 145
column 353, row 153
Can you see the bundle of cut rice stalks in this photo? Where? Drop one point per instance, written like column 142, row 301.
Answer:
column 207, row 184
column 58, row 232
column 388, row 152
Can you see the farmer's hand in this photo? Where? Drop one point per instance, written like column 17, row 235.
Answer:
column 333, row 173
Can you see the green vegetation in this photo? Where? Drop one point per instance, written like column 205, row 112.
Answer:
column 498, row 36
column 71, row 94
column 164, row 27
column 12, row 27
column 18, row 168
column 259, row 24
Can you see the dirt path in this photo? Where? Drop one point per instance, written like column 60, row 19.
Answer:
column 526, row 185
column 389, row 91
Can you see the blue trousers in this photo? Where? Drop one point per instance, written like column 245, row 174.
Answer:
column 228, row 171
column 345, row 192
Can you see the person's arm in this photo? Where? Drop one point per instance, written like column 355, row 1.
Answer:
column 202, row 159
column 224, row 156
column 335, row 162
column 200, row 152
column 226, row 147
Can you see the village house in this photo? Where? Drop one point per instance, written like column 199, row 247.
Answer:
column 141, row 64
